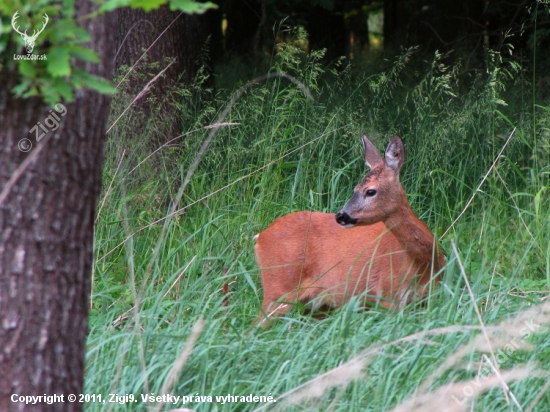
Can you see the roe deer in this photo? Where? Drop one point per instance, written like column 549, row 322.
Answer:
column 387, row 254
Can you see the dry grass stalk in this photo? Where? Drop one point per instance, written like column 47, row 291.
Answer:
column 340, row 376
column 180, row 362
column 443, row 398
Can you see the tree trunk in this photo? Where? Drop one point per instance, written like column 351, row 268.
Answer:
column 184, row 40
column 46, row 235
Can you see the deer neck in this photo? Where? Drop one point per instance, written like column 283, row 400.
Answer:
column 413, row 234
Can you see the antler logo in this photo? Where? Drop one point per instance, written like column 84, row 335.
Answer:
column 29, row 40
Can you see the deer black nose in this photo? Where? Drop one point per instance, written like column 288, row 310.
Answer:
column 344, row 219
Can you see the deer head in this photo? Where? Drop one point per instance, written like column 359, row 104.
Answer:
column 29, row 40
column 380, row 194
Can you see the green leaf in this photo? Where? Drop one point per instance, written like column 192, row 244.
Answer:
column 538, row 199
column 68, row 7
column 26, row 68
column 248, row 278
column 22, row 87
column 54, row 78
column 98, row 83
column 543, row 107
column 64, row 88
column 33, row 91
column 146, row 5
column 66, row 32
column 58, row 62
column 113, row 4
column 84, row 54
column 190, row 6
column 49, row 91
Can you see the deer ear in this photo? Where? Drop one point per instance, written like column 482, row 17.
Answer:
column 372, row 157
column 395, row 154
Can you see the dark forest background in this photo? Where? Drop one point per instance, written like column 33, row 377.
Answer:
column 357, row 30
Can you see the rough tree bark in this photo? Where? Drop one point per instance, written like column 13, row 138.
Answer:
column 46, row 235
column 184, row 40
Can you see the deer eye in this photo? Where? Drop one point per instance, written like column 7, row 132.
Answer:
column 370, row 192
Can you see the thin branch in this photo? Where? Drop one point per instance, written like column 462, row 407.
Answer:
column 110, row 186
column 146, row 51
column 503, row 383
column 480, row 184
column 141, row 94
column 129, row 31
column 220, row 189
column 182, row 359
column 518, row 210
column 483, row 327
column 203, row 150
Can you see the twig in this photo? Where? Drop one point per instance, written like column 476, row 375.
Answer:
column 481, row 183
column 180, row 362
column 518, row 210
column 129, row 244
column 495, row 371
column 149, row 48
column 127, row 34
column 140, row 94
column 203, row 150
column 179, row 277
column 222, row 188
column 482, row 325
column 174, row 139
column 110, row 186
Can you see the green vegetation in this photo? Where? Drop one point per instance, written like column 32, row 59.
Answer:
column 56, row 79
column 285, row 153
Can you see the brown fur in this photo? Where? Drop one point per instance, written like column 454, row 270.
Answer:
column 389, row 254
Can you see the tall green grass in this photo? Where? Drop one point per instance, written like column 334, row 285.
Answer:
column 284, row 153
